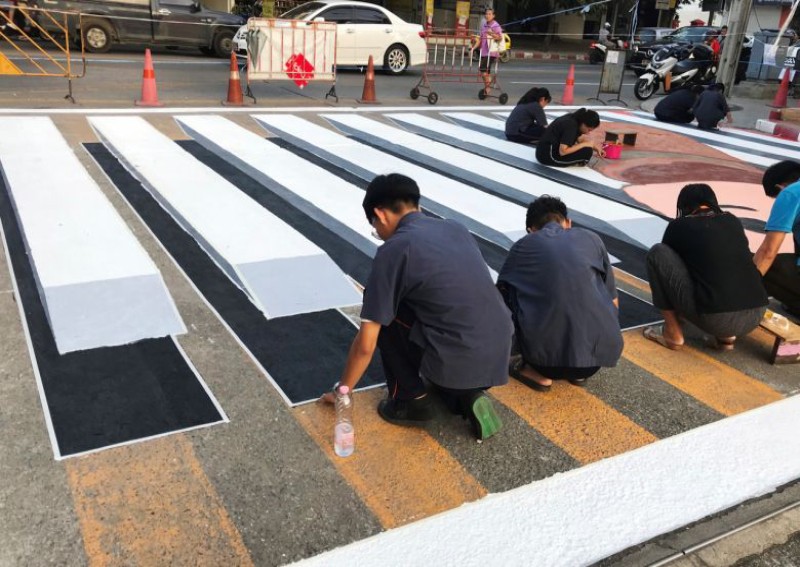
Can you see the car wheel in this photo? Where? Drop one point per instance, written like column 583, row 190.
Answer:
column 223, row 43
column 595, row 57
column 97, row 36
column 396, row 60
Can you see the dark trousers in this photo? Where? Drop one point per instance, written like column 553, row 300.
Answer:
column 402, row 359
column 673, row 290
column 782, row 280
column 548, row 155
column 684, row 118
column 553, row 372
column 528, row 136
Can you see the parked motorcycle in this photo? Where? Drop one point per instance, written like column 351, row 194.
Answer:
column 597, row 50
column 687, row 64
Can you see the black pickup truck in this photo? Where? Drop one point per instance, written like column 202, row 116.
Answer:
column 174, row 23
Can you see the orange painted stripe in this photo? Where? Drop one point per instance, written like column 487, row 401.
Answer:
column 631, row 280
column 582, row 425
column 717, row 385
column 151, row 504
column 401, row 473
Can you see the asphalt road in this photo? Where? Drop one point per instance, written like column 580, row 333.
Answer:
column 186, row 78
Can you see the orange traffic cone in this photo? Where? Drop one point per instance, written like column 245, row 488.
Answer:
column 235, row 97
column 368, row 94
column 780, row 97
column 149, row 94
column 667, row 82
column 569, row 88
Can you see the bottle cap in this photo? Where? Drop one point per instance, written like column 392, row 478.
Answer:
column 344, row 390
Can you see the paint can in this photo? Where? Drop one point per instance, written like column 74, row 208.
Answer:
column 613, row 151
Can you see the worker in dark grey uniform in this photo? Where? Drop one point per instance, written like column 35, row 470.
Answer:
column 432, row 309
column 677, row 106
column 711, row 107
column 558, row 283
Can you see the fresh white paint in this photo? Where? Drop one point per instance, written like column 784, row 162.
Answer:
column 645, row 228
column 477, row 210
column 97, row 284
column 282, row 272
column 253, row 154
column 589, row 513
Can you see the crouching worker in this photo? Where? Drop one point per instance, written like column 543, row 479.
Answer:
column 565, row 141
column 526, row 123
column 782, row 271
column 432, row 309
column 677, row 106
column 558, row 283
column 703, row 271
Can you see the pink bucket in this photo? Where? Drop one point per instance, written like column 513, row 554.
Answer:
column 613, row 151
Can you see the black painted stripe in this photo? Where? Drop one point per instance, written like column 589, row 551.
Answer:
column 303, row 354
column 105, row 396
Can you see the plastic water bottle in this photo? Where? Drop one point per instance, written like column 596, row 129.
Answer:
column 344, row 436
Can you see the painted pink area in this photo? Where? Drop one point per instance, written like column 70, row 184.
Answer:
column 730, row 194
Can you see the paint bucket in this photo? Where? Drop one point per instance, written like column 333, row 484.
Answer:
column 613, row 151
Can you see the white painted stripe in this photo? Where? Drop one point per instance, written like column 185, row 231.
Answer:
column 232, row 110
column 263, row 159
column 202, row 297
column 98, row 285
column 491, row 212
column 282, row 272
column 586, row 514
column 639, row 225
column 519, row 150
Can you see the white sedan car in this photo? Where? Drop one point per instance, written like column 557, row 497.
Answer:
column 363, row 29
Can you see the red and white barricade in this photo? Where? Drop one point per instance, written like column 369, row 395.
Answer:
column 291, row 50
column 455, row 58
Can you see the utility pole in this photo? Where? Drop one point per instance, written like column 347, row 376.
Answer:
column 732, row 47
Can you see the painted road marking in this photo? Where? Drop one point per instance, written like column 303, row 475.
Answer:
column 152, row 505
column 578, row 422
column 590, row 210
column 401, row 474
column 281, row 271
column 717, row 385
column 587, row 514
column 98, row 285
column 483, row 214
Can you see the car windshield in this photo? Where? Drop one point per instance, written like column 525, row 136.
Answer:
column 646, row 36
column 694, row 34
column 302, row 11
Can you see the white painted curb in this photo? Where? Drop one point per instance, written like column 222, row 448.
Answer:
column 587, row 514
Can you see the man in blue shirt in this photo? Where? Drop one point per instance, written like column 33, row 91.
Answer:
column 432, row 310
column 781, row 272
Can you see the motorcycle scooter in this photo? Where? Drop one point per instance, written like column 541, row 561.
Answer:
column 688, row 65
column 597, row 50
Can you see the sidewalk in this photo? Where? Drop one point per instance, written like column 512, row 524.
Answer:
column 526, row 47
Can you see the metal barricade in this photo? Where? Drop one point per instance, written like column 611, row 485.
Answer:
column 40, row 29
column 291, row 50
column 455, row 58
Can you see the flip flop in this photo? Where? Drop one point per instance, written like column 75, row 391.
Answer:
column 655, row 333
column 722, row 344
column 515, row 371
